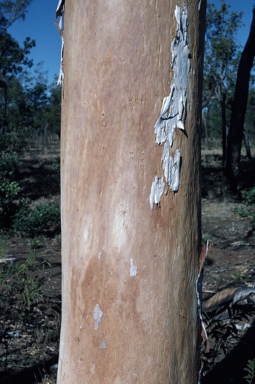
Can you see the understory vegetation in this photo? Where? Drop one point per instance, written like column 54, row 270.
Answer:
column 248, row 209
column 30, row 241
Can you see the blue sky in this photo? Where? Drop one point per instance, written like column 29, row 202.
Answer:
column 246, row 7
column 39, row 25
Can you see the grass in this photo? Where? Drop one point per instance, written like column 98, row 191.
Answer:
column 3, row 247
column 28, row 316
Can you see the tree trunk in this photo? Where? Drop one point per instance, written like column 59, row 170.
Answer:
column 247, row 143
column 239, row 108
column 129, row 251
column 223, row 126
column 45, row 145
column 205, row 126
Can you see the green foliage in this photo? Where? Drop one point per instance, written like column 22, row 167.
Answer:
column 56, row 165
column 221, row 59
column 241, row 211
column 54, row 112
column 14, row 143
column 17, row 280
column 16, row 212
column 205, row 238
column 250, row 369
column 34, row 243
column 13, row 112
column 13, row 57
column 221, row 49
column 9, row 191
column 3, row 247
column 43, row 219
column 22, row 302
column 29, row 110
column 10, row 11
column 28, row 106
column 249, row 196
column 8, row 164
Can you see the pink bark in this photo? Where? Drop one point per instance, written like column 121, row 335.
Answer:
column 129, row 311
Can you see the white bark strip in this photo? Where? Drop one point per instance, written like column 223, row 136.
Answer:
column 133, row 269
column 157, row 190
column 173, row 111
column 60, row 13
column 98, row 314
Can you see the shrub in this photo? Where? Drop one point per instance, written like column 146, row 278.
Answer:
column 9, row 190
column 8, row 164
column 15, row 142
column 44, row 219
column 18, row 282
column 3, row 247
column 249, row 196
column 56, row 165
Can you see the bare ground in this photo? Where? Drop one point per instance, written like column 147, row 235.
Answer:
column 229, row 265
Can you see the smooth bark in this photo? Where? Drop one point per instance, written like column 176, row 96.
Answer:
column 129, row 301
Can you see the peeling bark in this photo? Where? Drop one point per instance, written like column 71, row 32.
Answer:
column 129, row 300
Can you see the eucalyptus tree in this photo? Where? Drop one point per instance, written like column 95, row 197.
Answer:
column 130, row 191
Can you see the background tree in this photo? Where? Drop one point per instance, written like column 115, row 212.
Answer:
column 54, row 110
column 129, row 302
column 12, row 56
column 26, row 108
column 11, row 11
column 249, row 116
column 220, row 66
column 239, row 107
column 13, row 61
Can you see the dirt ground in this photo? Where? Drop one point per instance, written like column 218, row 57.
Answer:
column 29, row 338
column 30, row 287
column 230, row 264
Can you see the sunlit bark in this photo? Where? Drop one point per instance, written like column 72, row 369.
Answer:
column 129, row 312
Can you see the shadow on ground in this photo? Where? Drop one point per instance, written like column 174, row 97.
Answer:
column 231, row 369
column 30, row 375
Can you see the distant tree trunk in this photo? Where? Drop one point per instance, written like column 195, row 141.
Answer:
column 3, row 84
column 223, row 126
column 247, row 142
column 235, row 134
column 45, row 138
column 129, row 251
column 205, row 120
